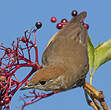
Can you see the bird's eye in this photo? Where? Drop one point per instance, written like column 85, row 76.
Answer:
column 42, row 82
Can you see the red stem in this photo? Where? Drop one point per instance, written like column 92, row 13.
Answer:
column 36, row 50
column 23, row 81
column 25, row 59
column 36, row 53
column 43, row 96
column 28, row 51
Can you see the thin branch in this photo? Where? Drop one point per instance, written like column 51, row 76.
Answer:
column 91, row 76
column 23, row 81
column 36, row 50
column 96, row 103
column 103, row 104
column 96, row 94
column 89, row 102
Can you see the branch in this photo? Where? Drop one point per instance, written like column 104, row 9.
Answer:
column 96, row 95
column 89, row 102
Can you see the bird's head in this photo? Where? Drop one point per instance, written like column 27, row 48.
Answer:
column 48, row 78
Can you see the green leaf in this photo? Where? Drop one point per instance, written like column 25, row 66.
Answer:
column 90, row 54
column 102, row 54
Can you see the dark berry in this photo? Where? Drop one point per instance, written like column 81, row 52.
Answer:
column 59, row 26
column 53, row 19
column 38, row 25
column 64, row 21
column 8, row 51
column 86, row 26
column 2, row 103
column 24, row 39
column 7, row 100
column 74, row 13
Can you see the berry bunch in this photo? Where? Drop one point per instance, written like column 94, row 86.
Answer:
column 14, row 58
column 64, row 21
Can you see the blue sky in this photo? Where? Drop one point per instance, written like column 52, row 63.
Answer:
column 18, row 15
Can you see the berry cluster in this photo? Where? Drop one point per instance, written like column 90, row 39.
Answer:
column 14, row 58
column 65, row 21
column 59, row 25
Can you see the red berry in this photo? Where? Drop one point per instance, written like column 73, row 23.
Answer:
column 24, row 39
column 7, row 100
column 53, row 19
column 8, row 51
column 64, row 21
column 38, row 25
column 2, row 103
column 86, row 26
column 59, row 26
column 74, row 13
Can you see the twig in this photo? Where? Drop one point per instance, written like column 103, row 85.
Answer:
column 89, row 102
column 96, row 103
column 91, row 76
column 23, row 81
column 98, row 95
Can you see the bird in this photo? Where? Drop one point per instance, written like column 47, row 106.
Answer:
column 65, row 59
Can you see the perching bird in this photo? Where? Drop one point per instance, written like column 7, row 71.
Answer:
column 65, row 59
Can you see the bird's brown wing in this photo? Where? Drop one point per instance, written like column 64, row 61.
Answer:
column 70, row 27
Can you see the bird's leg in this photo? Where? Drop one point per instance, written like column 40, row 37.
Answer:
column 96, row 96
